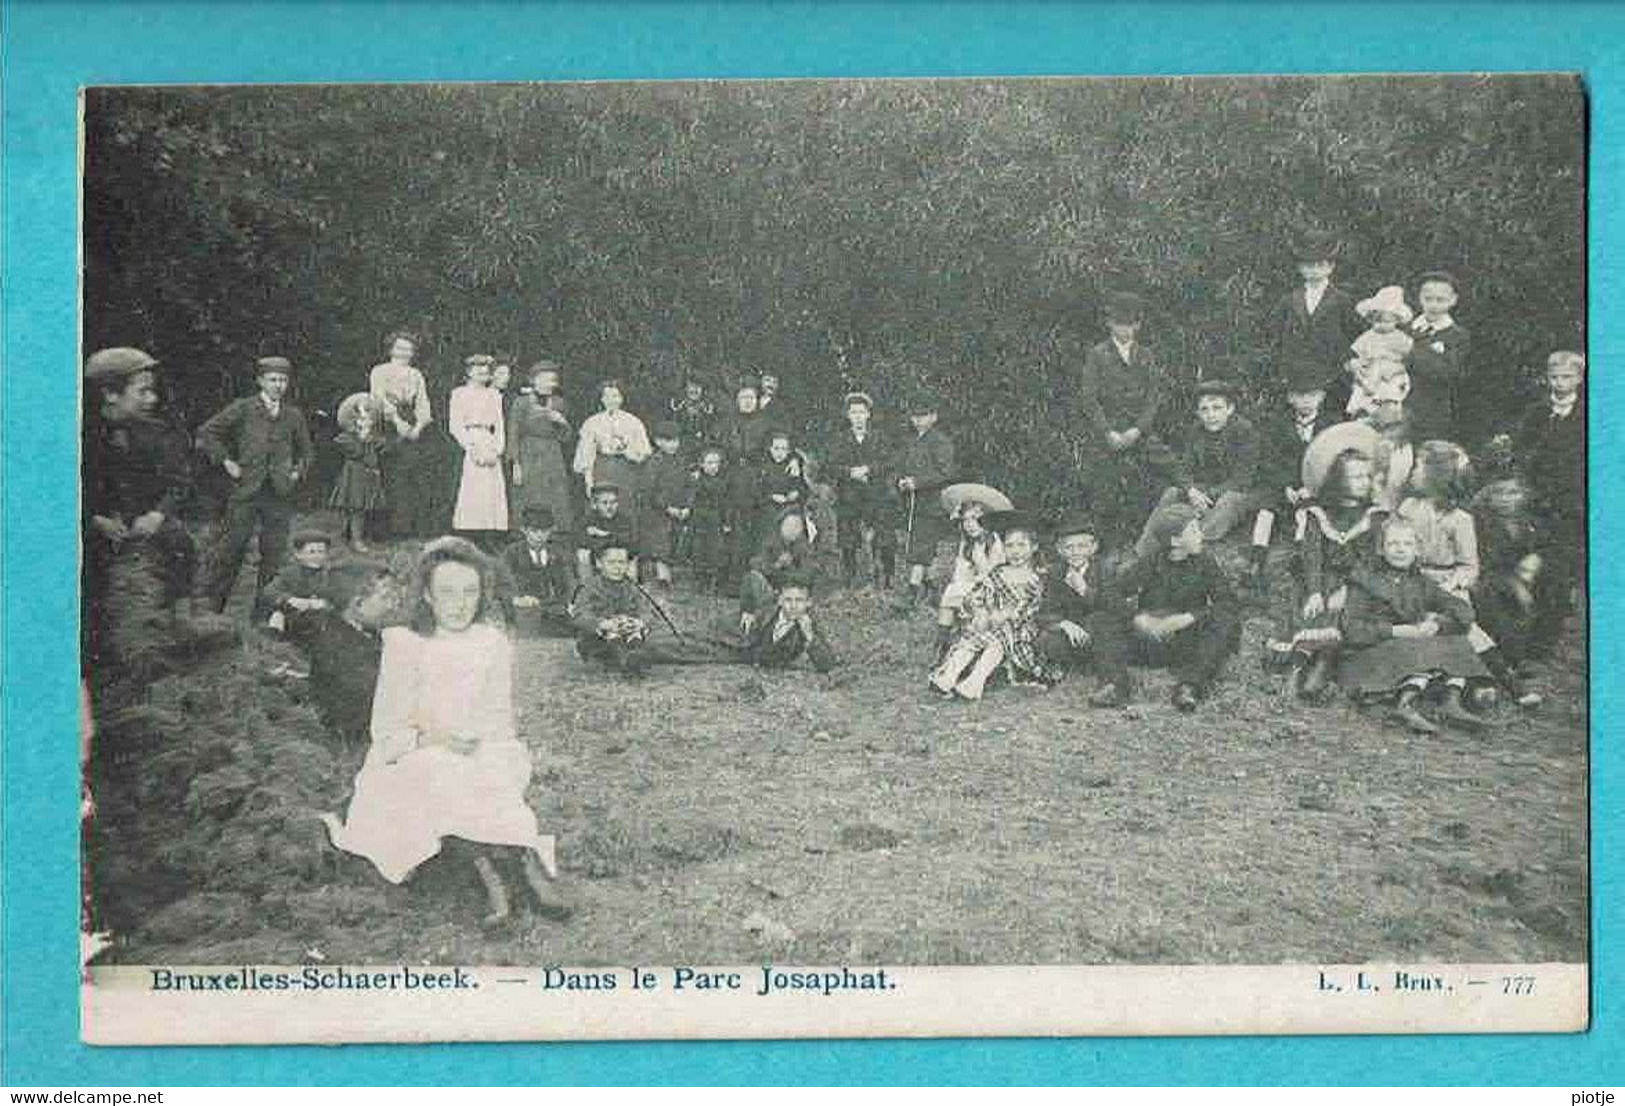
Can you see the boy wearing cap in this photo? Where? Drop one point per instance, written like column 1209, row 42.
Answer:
column 1178, row 610
column 924, row 466
column 1214, row 468
column 1121, row 389
column 602, row 524
column 135, row 475
column 1315, row 325
column 668, row 494
column 619, row 625
column 542, row 571
column 299, row 593
column 1438, row 359
column 263, row 443
column 1073, row 601
column 857, row 457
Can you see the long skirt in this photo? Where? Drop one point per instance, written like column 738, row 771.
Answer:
column 402, row 810
column 410, row 471
column 1383, row 667
column 482, row 497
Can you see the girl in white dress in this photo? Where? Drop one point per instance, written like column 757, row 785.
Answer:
column 445, row 759
column 476, row 420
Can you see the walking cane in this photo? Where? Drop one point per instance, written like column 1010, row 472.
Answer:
column 908, row 533
column 661, row 611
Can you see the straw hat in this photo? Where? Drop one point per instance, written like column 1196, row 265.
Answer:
column 354, row 404
column 1329, row 443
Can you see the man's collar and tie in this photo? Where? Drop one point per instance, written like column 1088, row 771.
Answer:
column 1314, row 293
column 1562, row 408
column 273, row 407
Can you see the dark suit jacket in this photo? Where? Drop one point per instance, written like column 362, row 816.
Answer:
column 271, row 451
column 1062, row 603
column 1114, row 394
column 1552, row 454
column 929, row 459
column 1435, row 376
column 761, row 649
column 553, row 583
column 847, row 453
column 133, row 467
column 1227, row 461
column 1283, row 450
column 1314, row 348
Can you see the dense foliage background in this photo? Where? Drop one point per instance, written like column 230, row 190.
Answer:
column 846, row 233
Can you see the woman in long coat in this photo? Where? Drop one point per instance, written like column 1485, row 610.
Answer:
column 409, row 455
column 537, row 433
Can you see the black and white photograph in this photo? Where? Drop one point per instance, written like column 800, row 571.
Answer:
column 881, row 524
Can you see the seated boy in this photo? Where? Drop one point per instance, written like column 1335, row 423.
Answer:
column 1285, row 437
column 604, row 523
column 1179, row 611
column 298, row 594
column 786, row 550
column 1073, row 602
column 543, row 575
column 616, row 623
column 345, row 650
column 1213, row 468
column 786, row 630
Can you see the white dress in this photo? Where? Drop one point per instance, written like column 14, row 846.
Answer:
column 475, row 418
column 412, row 791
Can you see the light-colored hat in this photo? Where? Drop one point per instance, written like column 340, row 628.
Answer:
column 1390, row 299
column 117, row 364
column 1353, row 437
column 354, row 403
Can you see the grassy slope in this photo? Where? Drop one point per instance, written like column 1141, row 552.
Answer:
column 877, row 824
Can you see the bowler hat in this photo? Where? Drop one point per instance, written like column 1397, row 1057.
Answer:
column 536, row 516
column 273, row 365
column 1315, row 245
column 666, row 428
column 117, row 363
column 1124, row 307
column 1307, row 376
column 923, row 402
column 862, row 398
column 1074, row 522
column 601, row 489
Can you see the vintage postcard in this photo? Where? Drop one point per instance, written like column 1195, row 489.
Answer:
column 834, row 558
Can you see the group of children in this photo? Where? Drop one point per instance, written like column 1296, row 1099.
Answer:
column 1408, row 584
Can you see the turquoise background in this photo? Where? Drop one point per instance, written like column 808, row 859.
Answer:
column 53, row 48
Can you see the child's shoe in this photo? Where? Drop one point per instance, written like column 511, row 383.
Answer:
column 1456, row 714
column 1405, row 713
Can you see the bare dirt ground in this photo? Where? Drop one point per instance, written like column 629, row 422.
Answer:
column 719, row 815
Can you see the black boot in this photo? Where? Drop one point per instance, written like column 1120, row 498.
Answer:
column 1316, row 678
column 1495, row 660
column 1454, row 712
column 1405, row 713
column 888, row 568
column 945, row 641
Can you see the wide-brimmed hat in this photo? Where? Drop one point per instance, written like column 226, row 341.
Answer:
column 117, row 363
column 1315, row 245
column 1324, row 449
column 354, row 404
column 1124, row 307
column 956, row 496
column 1390, row 299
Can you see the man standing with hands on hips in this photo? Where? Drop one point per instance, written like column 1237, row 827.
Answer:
column 264, row 445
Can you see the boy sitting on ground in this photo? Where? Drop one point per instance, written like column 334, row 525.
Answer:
column 1179, row 612
column 1213, row 468
column 542, row 573
column 298, row 594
